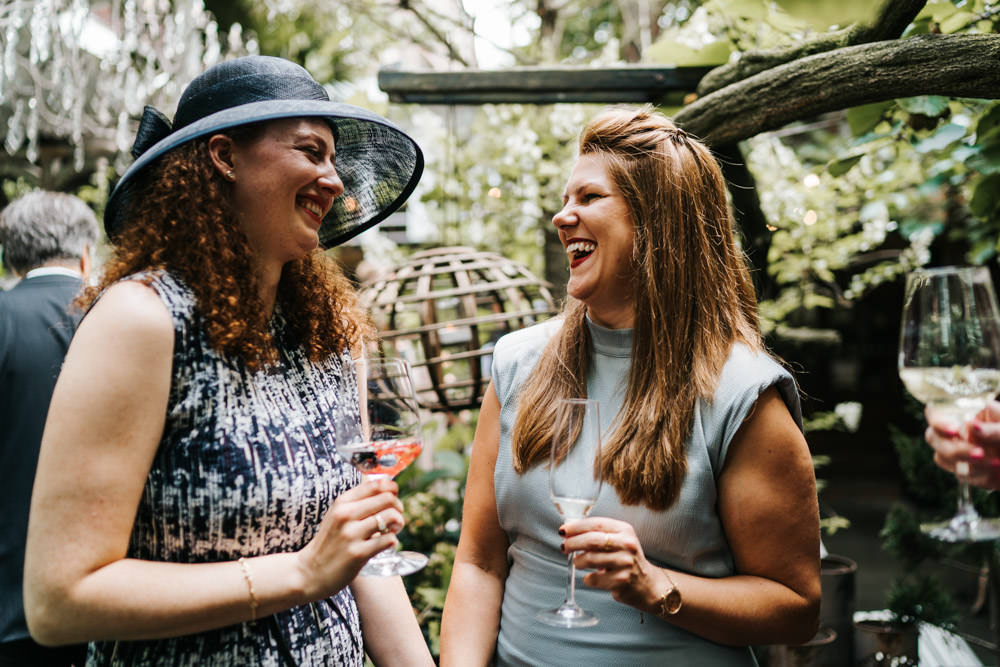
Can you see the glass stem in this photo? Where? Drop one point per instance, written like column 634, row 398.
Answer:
column 570, row 600
column 966, row 510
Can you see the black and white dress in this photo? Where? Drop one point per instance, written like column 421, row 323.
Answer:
column 247, row 466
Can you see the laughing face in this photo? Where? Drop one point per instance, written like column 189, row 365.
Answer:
column 596, row 230
column 284, row 183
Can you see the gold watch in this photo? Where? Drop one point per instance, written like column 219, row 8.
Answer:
column 671, row 601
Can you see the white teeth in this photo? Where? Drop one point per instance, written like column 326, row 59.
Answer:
column 311, row 206
column 581, row 246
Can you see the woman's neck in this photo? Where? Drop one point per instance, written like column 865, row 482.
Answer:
column 268, row 278
column 621, row 317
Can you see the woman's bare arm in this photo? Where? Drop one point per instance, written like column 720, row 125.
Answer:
column 392, row 634
column 472, row 607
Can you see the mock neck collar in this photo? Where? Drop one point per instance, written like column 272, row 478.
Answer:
column 612, row 342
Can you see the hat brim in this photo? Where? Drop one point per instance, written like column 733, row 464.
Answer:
column 378, row 163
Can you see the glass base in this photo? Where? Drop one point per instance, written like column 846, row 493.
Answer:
column 963, row 529
column 567, row 616
column 394, row 563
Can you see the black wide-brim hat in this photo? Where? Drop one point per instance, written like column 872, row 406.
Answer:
column 378, row 163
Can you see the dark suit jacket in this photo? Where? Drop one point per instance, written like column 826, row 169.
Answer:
column 35, row 329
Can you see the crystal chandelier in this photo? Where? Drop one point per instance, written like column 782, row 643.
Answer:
column 78, row 72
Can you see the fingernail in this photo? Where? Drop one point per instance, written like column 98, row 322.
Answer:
column 562, row 532
column 977, row 454
column 977, row 428
column 562, row 547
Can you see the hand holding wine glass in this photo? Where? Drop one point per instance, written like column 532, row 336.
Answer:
column 949, row 359
column 574, row 485
column 386, row 440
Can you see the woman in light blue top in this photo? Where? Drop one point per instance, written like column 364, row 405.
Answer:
column 705, row 538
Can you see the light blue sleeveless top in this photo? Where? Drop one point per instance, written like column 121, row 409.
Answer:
column 688, row 536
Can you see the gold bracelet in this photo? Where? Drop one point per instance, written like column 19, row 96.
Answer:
column 249, row 578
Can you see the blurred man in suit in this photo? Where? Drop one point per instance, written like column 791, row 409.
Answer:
column 48, row 240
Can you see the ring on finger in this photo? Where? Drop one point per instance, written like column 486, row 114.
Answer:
column 607, row 543
column 380, row 524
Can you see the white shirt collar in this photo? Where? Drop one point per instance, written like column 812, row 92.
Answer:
column 53, row 271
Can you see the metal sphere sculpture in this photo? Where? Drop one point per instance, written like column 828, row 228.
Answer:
column 443, row 310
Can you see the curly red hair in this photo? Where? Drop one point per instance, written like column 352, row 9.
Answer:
column 181, row 220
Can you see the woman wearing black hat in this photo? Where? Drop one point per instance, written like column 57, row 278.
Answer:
column 189, row 507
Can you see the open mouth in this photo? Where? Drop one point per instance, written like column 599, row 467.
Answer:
column 579, row 251
column 311, row 206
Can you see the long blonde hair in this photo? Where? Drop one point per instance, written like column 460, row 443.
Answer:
column 693, row 299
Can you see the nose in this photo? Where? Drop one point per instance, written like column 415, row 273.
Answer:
column 330, row 180
column 565, row 217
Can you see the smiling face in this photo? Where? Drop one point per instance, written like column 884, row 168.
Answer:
column 284, row 183
column 596, row 229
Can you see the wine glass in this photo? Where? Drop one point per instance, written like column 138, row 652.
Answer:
column 949, row 359
column 386, row 440
column 574, row 484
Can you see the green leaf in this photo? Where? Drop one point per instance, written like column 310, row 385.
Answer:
column 869, row 137
column 751, row 9
column 910, row 226
column 985, row 160
column 985, row 195
column 863, row 119
column 928, row 105
column 451, row 462
column 957, row 21
column 988, row 121
column 937, row 11
column 671, row 52
column 842, row 165
column 920, row 26
column 943, row 137
column 434, row 597
column 981, row 252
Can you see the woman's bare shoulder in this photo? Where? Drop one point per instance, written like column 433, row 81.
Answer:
column 131, row 307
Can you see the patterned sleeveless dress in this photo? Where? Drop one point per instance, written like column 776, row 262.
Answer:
column 247, row 466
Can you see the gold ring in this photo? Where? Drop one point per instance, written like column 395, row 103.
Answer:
column 607, row 542
column 380, row 524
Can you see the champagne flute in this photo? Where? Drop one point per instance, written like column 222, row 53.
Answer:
column 574, row 484
column 386, row 441
column 949, row 359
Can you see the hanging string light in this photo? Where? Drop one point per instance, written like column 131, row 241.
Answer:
column 80, row 71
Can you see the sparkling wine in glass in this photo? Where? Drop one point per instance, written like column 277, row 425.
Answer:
column 574, row 484
column 386, row 441
column 949, row 359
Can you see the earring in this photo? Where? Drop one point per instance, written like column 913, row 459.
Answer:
column 230, row 175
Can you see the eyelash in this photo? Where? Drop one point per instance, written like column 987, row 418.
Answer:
column 586, row 198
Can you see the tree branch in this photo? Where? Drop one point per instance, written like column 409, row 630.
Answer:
column 890, row 23
column 441, row 37
column 750, row 219
column 949, row 65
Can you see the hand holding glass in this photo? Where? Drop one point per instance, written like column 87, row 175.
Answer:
column 949, row 359
column 385, row 442
column 574, row 484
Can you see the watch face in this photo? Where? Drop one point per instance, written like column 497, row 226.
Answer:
column 671, row 603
